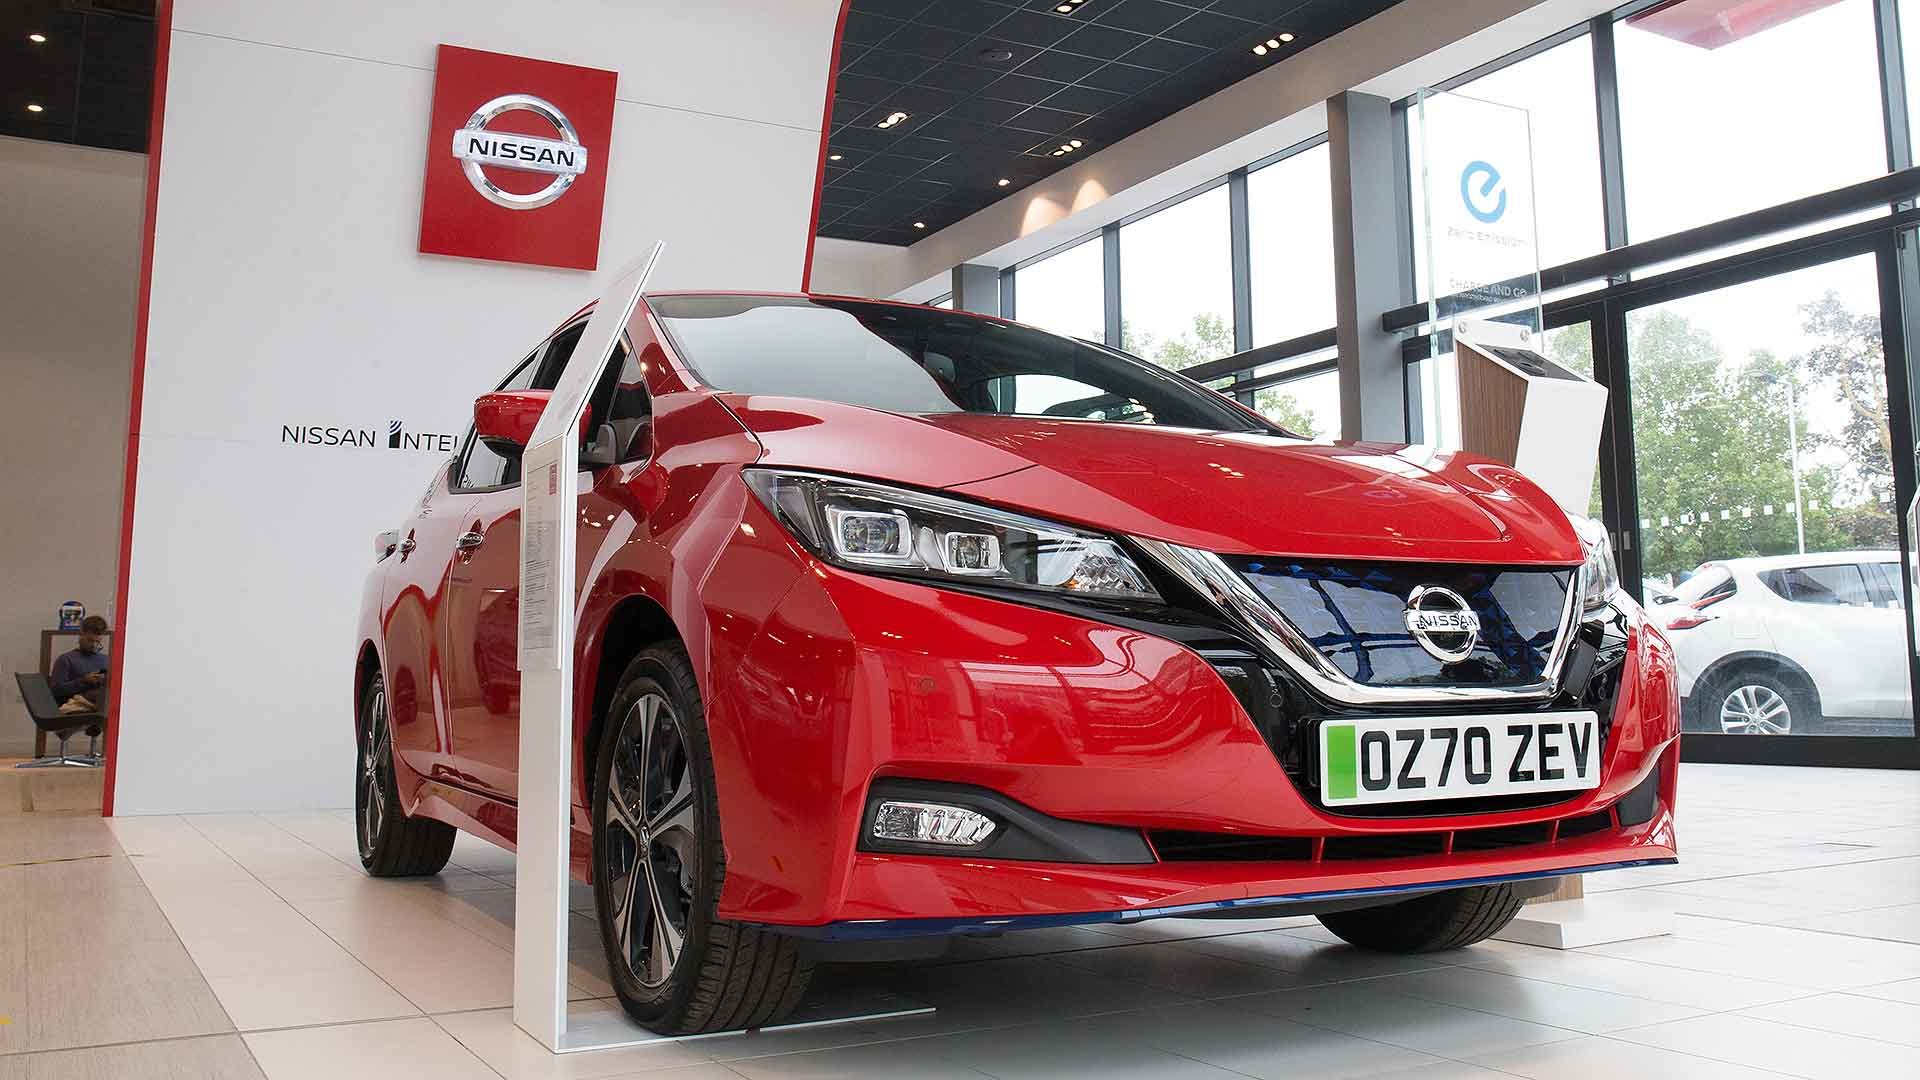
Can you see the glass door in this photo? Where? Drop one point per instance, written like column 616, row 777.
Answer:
column 1769, row 543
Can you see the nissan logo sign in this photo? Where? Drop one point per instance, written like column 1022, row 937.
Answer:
column 1440, row 620
column 479, row 149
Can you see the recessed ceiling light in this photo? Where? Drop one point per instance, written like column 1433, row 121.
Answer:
column 1060, row 151
column 1075, row 143
column 36, row 107
column 892, row 119
column 919, row 224
column 1065, row 9
column 1272, row 44
column 833, row 157
column 37, row 39
column 1004, row 181
column 996, row 56
column 1286, row 37
column 1259, row 50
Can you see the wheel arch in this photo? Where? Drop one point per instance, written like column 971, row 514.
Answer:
column 365, row 668
column 1755, row 659
column 635, row 624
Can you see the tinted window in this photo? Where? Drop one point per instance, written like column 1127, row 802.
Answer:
column 481, row 467
column 920, row 361
column 1841, row 584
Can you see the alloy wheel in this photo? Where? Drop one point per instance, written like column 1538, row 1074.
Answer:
column 652, row 840
column 1754, row 709
column 374, row 748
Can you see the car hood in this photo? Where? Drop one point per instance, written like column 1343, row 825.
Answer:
column 1232, row 493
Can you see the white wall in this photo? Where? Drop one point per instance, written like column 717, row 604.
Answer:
column 70, row 234
column 286, row 290
column 855, row 267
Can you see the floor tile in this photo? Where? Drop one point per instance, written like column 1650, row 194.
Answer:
column 1762, row 1044
column 386, row 1050
column 299, row 998
column 223, row 1057
column 1612, row 1059
column 1262, row 1046
column 1849, row 1014
column 1654, row 982
column 1580, row 1009
column 1186, row 971
column 492, row 1036
column 1430, row 1027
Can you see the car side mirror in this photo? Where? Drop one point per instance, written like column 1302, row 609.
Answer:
column 505, row 420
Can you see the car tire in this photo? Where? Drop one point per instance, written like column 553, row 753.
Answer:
column 1758, row 701
column 1434, row 923
column 654, row 796
column 391, row 843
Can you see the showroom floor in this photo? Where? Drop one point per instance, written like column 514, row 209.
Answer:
column 251, row 945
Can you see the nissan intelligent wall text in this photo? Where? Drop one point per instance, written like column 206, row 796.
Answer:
column 517, row 159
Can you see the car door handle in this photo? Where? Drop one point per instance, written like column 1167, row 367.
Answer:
column 469, row 540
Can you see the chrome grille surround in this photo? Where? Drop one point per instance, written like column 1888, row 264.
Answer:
column 1235, row 598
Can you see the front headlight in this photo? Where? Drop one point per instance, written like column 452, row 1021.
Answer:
column 1599, row 575
column 867, row 526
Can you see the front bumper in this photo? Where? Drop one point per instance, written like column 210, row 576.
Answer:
column 855, row 679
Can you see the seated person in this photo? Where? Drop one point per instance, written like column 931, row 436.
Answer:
column 83, row 671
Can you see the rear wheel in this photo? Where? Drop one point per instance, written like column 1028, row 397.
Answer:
column 1759, row 702
column 1434, row 923
column 658, row 866
column 391, row 843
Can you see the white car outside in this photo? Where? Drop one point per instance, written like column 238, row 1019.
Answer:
column 1775, row 645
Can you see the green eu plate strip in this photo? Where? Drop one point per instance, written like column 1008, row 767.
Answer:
column 1340, row 762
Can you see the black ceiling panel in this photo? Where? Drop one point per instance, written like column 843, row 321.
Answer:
column 995, row 87
column 91, row 79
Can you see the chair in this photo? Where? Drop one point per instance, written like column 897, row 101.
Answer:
column 37, row 692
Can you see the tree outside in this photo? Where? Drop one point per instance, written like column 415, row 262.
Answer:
column 1713, row 450
column 1210, row 338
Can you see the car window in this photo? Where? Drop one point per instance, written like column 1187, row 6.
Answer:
column 480, row 465
column 1884, row 577
column 1711, row 579
column 1842, row 584
column 924, row 361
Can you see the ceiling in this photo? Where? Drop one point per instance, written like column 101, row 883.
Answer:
column 92, row 78
column 994, row 88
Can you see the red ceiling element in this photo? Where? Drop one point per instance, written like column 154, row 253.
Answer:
column 1710, row 24
column 564, row 113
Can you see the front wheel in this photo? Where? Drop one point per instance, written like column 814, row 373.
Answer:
column 391, row 843
column 1434, row 923
column 676, row 966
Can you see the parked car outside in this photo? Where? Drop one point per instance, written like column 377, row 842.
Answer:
column 897, row 623
column 1791, row 644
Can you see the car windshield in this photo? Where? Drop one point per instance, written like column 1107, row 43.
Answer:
column 926, row 361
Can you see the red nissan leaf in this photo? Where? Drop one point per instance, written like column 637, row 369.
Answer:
column 897, row 623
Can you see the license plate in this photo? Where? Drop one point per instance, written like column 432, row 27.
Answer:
column 1452, row 757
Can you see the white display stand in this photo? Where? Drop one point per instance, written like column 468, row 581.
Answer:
column 549, row 498
column 1520, row 408
column 1576, row 924
column 550, row 494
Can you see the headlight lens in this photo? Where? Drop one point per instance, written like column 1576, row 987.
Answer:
column 1600, row 575
column 866, row 526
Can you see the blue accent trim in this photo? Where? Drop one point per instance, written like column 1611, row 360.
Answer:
column 878, row 929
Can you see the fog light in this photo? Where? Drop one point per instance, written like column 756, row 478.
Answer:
column 930, row 823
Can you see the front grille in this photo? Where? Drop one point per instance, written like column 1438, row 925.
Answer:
column 1288, row 717
column 1240, row 847
column 1355, row 615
